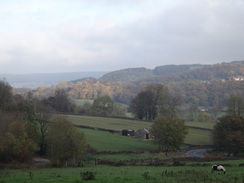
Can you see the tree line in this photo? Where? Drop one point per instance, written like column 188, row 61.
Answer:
column 178, row 73
column 209, row 94
column 228, row 135
column 28, row 127
column 157, row 104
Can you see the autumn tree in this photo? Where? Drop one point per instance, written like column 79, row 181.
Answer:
column 119, row 110
column 64, row 141
column 43, row 117
column 148, row 103
column 228, row 134
column 139, row 105
column 26, row 113
column 170, row 106
column 169, row 133
column 6, row 94
column 103, row 106
column 15, row 144
column 5, row 119
column 60, row 102
column 235, row 106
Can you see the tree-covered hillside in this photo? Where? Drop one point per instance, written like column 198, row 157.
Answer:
column 206, row 85
column 124, row 75
column 223, row 71
column 138, row 74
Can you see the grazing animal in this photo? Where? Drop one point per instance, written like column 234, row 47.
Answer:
column 218, row 168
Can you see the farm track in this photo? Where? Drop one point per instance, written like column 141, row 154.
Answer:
column 200, row 153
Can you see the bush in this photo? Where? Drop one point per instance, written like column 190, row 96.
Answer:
column 146, row 175
column 178, row 163
column 88, row 175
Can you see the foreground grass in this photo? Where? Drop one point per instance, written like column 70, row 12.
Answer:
column 129, row 174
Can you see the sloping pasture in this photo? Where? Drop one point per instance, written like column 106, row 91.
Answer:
column 198, row 137
column 120, row 123
column 206, row 125
column 105, row 141
column 108, row 123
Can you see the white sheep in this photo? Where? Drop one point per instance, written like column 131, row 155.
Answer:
column 218, row 168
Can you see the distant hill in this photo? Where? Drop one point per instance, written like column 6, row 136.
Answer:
column 131, row 74
column 46, row 79
column 138, row 74
column 167, row 73
column 203, row 85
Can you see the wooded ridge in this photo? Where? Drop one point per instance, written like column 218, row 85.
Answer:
column 205, row 85
column 223, row 71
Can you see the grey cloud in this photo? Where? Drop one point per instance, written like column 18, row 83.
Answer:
column 189, row 32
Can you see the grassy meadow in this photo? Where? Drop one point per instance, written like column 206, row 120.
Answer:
column 105, row 141
column 188, row 173
column 101, row 140
column 81, row 102
column 108, row 123
column 206, row 125
column 198, row 137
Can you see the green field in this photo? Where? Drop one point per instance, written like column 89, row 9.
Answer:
column 103, row 140
column 198, row 137
column 207, row 125
column 131, row 174
column 81, row 102
column 120, row 124
column 108, row 123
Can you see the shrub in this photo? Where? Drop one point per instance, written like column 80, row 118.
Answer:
column 178, row 163
column 146, row 175
column 88, row 175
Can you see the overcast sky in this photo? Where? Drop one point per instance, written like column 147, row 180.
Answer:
column 50, row 36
